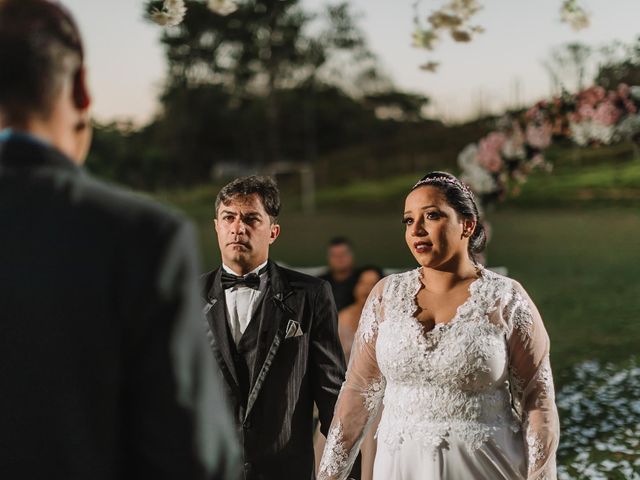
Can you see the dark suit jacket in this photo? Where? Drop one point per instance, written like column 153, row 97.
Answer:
column 104, row 373
column 274, row 415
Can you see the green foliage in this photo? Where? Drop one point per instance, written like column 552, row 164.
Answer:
column 133, row 157
column 585, row 177
column 617, row 69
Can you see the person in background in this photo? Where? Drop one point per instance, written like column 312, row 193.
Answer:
column 342, row 275
column 349, row 317
column 104, row 373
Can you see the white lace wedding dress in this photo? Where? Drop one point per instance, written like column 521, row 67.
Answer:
column 470, row 399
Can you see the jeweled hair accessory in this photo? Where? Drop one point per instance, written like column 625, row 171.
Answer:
column 441, row 179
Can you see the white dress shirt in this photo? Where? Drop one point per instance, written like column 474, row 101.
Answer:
column 241, row 301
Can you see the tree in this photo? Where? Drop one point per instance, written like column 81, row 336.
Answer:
column 236, row 73
column 621, row 64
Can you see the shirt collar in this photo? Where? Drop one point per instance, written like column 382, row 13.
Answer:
column 9, row 133
column 255, row 270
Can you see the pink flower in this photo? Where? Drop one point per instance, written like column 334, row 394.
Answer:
column 489, row 151
column 586, row 112
column 606, row 113
column 591, row 96
column 539, row 136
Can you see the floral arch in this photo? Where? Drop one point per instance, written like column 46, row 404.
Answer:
column 500, row 161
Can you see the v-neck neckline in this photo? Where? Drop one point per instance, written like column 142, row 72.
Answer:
column 471, row 288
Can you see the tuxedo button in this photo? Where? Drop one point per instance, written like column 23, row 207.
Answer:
column 247, row 466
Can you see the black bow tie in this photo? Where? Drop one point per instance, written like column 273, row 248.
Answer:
column 252, row 280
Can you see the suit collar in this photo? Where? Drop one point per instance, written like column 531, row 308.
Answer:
column 280, row 287
column 277, row 309
column 23, row 151
column 215, row 312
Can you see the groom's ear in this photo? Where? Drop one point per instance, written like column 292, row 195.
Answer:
column 80, row 90
column 275, row 232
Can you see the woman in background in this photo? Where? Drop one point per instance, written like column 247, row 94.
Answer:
column 348, row 319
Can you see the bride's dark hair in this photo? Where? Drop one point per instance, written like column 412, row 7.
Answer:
column 461, row 199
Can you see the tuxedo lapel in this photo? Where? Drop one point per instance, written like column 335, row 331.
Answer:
column 216, row 314
column 273, row 317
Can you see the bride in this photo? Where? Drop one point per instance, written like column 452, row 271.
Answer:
column 457, row 354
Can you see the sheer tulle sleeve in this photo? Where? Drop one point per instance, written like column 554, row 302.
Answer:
column 360, row 396
column 532, row 383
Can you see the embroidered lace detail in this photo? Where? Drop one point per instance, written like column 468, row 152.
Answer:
column 535, row 451
column 517, row 390
column 373, row 395
column 444, row 381
column 519, row 315
column 335, row 457
column 544, row 380
column 431, row 414
column 368, row 325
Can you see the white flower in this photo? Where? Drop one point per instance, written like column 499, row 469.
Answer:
column 171, row 14
column 222, row 7
column 467, row 158
column 514, row 147
column 579, row 133
column 635, row 92
column 573, row 14
column 589, row 131
column 473, row 174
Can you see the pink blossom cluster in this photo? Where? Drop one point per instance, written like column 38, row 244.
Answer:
column 605, row 108
column 501, row 161
column 538, row 135
column 490, row 151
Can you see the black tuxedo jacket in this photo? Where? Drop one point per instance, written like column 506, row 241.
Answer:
column 274, row 412
column 104, row 372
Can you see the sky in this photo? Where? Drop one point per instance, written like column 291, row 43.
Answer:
column 499, row 68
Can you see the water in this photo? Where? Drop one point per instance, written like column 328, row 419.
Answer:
column 599, row 411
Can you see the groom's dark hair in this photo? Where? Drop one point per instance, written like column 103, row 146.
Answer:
column 264, row 187
column 40, row 46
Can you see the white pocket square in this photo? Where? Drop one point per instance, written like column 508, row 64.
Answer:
column 293, row 329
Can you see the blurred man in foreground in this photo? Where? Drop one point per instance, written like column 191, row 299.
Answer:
column 103, row 372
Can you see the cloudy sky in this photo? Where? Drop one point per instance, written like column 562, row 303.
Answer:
column 500, row 67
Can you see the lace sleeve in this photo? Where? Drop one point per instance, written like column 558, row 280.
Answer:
column 360, row 396
column 532, row 383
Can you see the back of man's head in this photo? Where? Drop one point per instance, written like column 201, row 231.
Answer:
column 40, row 48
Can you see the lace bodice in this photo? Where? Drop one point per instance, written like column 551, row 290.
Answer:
column 486, row 369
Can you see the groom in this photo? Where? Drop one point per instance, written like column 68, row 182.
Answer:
column 274, row 334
